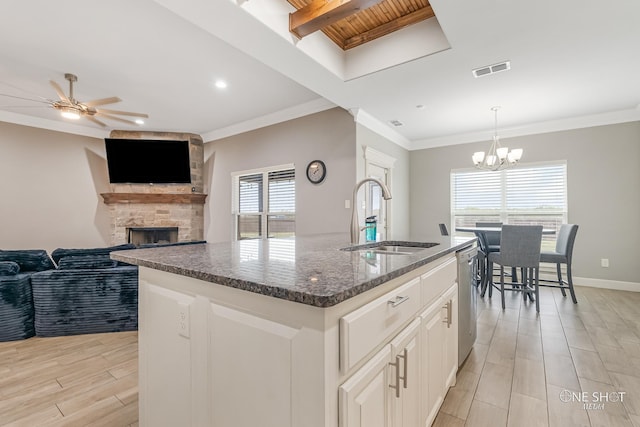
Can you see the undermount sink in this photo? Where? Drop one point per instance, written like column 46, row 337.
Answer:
column 391, row 247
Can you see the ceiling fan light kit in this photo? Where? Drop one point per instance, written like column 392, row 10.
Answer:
column 71, row 108
column 498, row 157
column 69, row 113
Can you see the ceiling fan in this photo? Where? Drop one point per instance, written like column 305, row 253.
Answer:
column 71, row 108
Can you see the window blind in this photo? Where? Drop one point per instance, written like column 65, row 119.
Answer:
column 282, row 191
column 535, row 194
column 250, row 193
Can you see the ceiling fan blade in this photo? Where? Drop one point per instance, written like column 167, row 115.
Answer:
column 26, row 99
column 94, row 120
column 102, row 101
column 60, row 92
column 123, row 113
column 109, row 116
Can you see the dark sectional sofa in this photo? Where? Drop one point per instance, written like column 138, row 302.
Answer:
column 86, row 292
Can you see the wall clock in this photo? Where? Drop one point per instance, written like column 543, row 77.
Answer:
column 316, row 171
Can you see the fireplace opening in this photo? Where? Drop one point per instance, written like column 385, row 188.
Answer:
column 149, row 235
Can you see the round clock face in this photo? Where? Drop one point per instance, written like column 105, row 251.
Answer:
column 316, row 171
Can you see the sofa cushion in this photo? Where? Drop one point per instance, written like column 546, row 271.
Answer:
column 86, row 262
column 28, row 259
column 16, row 308
column 9, row 268
column 60, row 253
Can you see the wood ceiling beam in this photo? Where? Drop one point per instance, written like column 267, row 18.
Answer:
column 321, row 13
column 388, row 28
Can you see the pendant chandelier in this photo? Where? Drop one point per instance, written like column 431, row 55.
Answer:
column 498, row 157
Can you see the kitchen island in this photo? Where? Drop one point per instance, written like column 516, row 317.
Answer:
column 295, row 332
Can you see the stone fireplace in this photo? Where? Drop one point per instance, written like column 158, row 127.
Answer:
column 158, row 206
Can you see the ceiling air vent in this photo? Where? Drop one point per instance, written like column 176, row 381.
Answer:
column 396, row 123
column 491, row 69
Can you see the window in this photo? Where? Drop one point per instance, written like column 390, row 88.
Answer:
column 264, row 203
column 527, row 194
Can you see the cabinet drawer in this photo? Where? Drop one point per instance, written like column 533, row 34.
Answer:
column 438, row 280
column 367, row 327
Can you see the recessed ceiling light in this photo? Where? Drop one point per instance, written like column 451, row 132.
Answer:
column 221, row 84
column 396, row 123
column 420, row 107
column 139, row 121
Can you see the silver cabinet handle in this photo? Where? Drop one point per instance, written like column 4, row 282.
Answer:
column 448, row 320
column 405, row 357
column 397, row 386
column 397, row 301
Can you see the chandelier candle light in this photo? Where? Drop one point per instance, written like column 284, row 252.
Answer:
column 498, row 157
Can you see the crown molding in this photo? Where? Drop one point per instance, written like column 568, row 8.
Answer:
column 36, row 122
column 602, row 119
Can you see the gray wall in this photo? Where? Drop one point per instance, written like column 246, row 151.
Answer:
column 399, row 204
column 603, row 177
column 50, row 185
column 328, row 136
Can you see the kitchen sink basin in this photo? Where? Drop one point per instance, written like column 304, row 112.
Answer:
column 391, row 247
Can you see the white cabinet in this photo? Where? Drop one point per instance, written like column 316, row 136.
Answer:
column 405, row 377
column 211, row 355
column 364, row 398
column 450, row 360
column 432, row 345
column 385, row 391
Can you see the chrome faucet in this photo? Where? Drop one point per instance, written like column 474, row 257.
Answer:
column 355, row 228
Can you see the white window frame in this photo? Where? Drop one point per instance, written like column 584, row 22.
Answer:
column 235, row 197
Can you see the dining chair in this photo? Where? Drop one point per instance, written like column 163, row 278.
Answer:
column 562, row 255
column 519, row 248
column 488, row 241
column 443, row 230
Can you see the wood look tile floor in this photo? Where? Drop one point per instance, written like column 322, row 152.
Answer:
column 81, row 380
column 522, row 362
column 515, row 375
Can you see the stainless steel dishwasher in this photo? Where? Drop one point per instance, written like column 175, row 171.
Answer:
column 467, row 299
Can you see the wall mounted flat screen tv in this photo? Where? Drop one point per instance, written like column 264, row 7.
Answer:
column 146, row 161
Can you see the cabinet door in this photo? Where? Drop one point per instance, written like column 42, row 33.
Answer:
column 252, row 370
column 404, row 377
column 165, row 354
column 432, row 343
column 364, row 398
column 451, row 335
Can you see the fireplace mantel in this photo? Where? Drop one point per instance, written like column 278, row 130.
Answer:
column 172, row 198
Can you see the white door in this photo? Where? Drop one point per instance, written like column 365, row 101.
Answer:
column 375, row 204
column 364, row 397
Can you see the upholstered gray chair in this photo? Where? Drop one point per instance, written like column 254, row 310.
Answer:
column 488, row 241
column 563, row 255
column 519, row 248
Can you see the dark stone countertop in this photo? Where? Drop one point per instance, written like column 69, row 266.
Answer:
column 310, row 270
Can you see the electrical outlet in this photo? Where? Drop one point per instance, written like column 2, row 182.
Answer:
column 183, row 319
column 604, row 262
column 347, row 204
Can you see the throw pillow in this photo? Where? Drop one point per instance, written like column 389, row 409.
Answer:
column 9, row 268
column 28, row 259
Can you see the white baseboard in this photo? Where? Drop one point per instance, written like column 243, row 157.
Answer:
column 606, row 284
